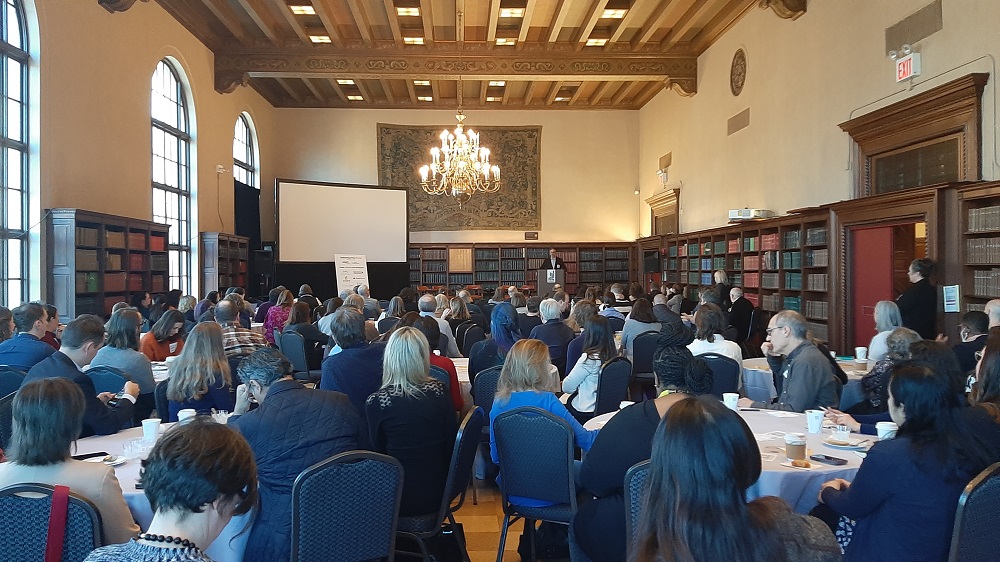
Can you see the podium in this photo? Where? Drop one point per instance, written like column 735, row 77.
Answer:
column 547, row 278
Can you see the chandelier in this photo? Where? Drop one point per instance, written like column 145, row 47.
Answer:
column 460, row 167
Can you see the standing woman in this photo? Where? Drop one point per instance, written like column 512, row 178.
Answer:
column 165, row 338
column 200, row 377
column 918, row 305
column 598, row 348
column 722, row 287
column 887, row 319
column 277, row 315
column 411, row 418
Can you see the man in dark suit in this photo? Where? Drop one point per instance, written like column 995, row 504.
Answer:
column 82, row 338
column 554, row 261
column 740, row 313
column 973, row 329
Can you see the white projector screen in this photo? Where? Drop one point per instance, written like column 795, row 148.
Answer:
column 318, row 220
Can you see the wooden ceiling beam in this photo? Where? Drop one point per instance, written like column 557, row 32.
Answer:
column 361, row 20
column 411, row 91
column 550, row 98
column 337, row 89
column 260, row 16
column 599, row 92
column 365, row 91
column 623, row 92
column 222, row 10
column 325, row 14
column 506, row 94
column 647, row 93
column 684, row 24
column 288, row 88
column 314, row 89
column 484, row 85
column 427, row 19
column 594, row 14
column 522, row 34
column 558, row 18
column 630, row 17
column 435, row 92
column 390, row 14
column 491, row 29
column 528, row 93
column 723, row 21
column 294, row 23
column 387, row 88
column 576, row 94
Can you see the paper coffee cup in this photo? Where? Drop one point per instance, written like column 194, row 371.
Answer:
column 795, row 446
column 150, row 429
column 814, row 420
column 731, row 400
column 861, row 353
column 886, row 430
column 186, row 414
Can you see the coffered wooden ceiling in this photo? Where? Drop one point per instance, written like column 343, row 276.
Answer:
column 510, row 54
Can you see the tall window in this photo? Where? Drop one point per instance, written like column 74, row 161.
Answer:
column 172, row 170
column 244, row 164
column 14, row 156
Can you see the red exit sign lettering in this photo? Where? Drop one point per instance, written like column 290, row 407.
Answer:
column 907, row 67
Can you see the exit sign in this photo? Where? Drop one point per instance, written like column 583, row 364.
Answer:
column 907, row 67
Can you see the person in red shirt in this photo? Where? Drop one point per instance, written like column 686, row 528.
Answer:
column 432, row 332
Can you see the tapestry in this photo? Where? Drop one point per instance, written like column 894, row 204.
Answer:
column 403, row 149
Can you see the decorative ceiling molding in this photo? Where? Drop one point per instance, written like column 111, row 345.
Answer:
column 117, row 5
column 785, row 9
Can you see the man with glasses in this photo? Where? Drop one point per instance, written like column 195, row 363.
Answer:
column 972, row 330
column 81, row 340
column 803, row 377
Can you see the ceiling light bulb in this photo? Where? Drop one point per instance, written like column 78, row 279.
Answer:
column 906, row 49
column 893, row 55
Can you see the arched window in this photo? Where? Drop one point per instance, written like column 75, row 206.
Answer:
column 244, row 163
column 14, row 156
column 172, row 170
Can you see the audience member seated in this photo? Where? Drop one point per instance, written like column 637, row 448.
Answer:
column 627, row 438
column 662, row 312
column 358, row 302
column 272, row 298
column 563, row 299
column 396, row 309
column 672, row 357
column 47, row 419
column 237, row 341
column 582, row 312
column 973, row 331
column 619, row 296
column 428, row 305
column 210, row 300
column 704, row 458
column 186, row 307
column 165, row 338
column 554, row 333
column 197, row 477
column 519, row 302
column 499, row 295
column 246, row 311
column 635, row 292
column 432, row 332
column 331, row 305
column 473, row 308
column 299, row 322
column 640, row 320
column 26, row 349
column 458, row 314
column 581, row 381
column 81, row 340
column 306, row 296
column 409, row 297
column 51, row 336
column 740, row 314
column 887, row 319
column 805, row 376
column 904, row 495
column 278, row 315
column 141, row 301
column 527, row 321
column 875, row 383
column 526, row 380
column 491, row 352
column 607, row 307
column 357, row 369
column 984, row 416
column 6, row 324
column 675, row 297
column 411, row 418
column 200, row 377
column 121, row 351
column 372, row 308
column 708, row 324
column 293, row 429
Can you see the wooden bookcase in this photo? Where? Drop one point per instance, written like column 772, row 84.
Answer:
column 224, row 261
column 980, row 227
column 96, row 260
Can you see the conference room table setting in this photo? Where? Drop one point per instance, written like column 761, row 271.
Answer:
column 759, row 381
column 797, row 486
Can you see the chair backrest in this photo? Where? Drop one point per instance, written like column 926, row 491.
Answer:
column 293, row 346
column 977, row 522
column 643, row 348
column 234, row 365
column 473, row 335
column 484, row 388
column 346, row 508
column 10, row 379
column 277, row 339
column 386, row 324
column 440, row 374
column 160, row 397
column 107, row 379
column 526, row 323
column 612, row 385
column 459, row 333
column 462, row 457
column 616, row 324
column 26, row 520
column 480, row 320
column 383, row 304
column 535, row 449
column 635, row 491
column 6, row 419
column 725, row 373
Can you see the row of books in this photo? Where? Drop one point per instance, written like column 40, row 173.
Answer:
column 986, row 282
column 985, row 219
column 817, row 309
column 982, row 250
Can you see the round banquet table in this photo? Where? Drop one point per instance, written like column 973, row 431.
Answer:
column 228, row 547
column 799, row 487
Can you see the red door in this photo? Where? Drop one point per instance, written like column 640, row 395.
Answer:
column 871, row 266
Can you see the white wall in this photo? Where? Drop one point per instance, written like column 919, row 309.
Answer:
column 804, row 78
column 589, row 164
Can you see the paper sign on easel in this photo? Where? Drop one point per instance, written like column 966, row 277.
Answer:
column 352, row 270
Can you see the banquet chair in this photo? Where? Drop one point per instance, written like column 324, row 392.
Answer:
column 480, row 321
column 383, row 304
column 162, row 404
column 10, row 379
column 535, row 449
column 643, row 348
column 386, row 324
column 422, row 528
column 612, row 385
column 440, row 374
column 6, row 419
column 635, row 488
column 293, row 346
column 977, row 523
column 107, row 379
column 24, row 520
column 484, row 390
column 473, row 336
column 345, row 508
column 725, row 373
column 615, row 324
column 459, row 333
column 277, row 339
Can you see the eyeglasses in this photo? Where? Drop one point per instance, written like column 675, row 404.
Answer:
column 769, row 330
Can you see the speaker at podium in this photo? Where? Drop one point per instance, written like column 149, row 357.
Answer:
column 549, row 278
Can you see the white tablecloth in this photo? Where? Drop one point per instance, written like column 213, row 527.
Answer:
column 797, row 486
column 228, row 547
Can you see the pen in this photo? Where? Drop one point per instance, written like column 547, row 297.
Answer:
column 749, row 409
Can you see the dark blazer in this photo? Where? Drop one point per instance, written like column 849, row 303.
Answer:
column 664, row 315
column 966, row 352
column 355, row 371
column 98, row 417
column 293, row 429
column 557, row 336
column 527, row 323
column 24, row 351
column 547, row 264
column 918, row 306
column 740, row 316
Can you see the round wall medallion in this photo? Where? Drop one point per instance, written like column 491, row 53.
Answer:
column 738, row 72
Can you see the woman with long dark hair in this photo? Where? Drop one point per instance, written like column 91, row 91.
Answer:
column 703, row 461
column 6, row 324
column 598, row 349
column 165, row 338
column 298, row 321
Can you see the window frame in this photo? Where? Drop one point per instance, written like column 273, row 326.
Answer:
column 22, row 56
column 248, row 166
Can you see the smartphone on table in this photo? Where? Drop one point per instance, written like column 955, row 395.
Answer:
column 827, row 459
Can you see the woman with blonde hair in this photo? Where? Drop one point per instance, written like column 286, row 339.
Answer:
column 277, row 315
column 459, row 314
column 411, row 418
column 442, row 305
column 200, row 378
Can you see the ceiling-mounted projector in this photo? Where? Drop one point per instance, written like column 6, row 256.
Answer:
column 747, row 214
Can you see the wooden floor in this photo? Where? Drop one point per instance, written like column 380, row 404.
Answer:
column 482, row 525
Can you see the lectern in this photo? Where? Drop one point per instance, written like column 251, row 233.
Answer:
column 547, row 278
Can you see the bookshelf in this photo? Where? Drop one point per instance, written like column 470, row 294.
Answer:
column 96, row 260
column 980, row 220
column 224, row 261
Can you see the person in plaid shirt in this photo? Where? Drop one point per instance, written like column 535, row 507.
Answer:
column 236, row 340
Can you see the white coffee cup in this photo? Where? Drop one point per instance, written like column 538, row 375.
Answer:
column 814, row 420
column 731, row 400
column 150, row 429
column 886, row 430
column 186, row 414
column 861, row 353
